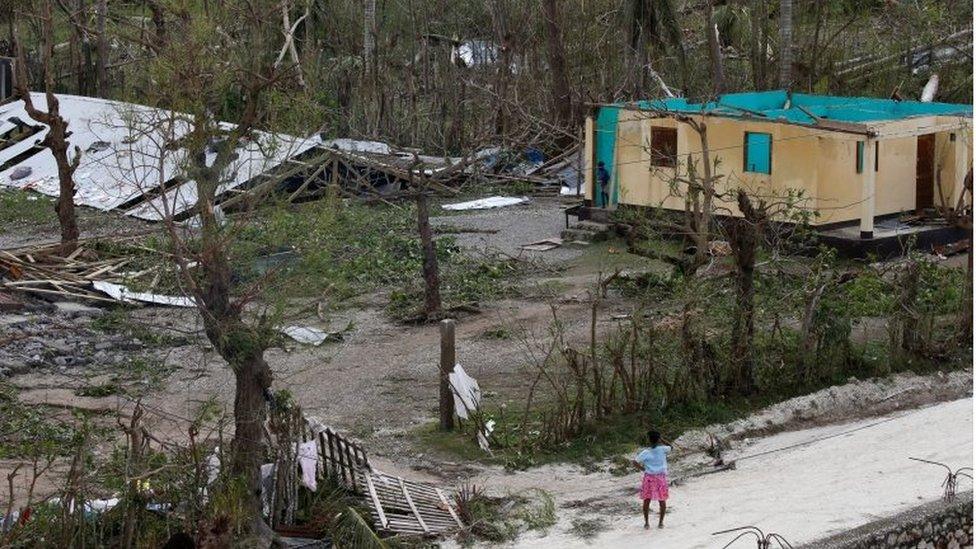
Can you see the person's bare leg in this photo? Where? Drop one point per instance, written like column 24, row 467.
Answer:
column 664, row 508
column 647, row 512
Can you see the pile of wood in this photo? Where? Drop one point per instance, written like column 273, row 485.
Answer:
column 46, row 273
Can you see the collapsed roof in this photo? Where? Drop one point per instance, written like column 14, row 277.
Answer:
column 129, row 163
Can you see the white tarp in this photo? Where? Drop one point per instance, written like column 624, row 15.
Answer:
column 467, row 394
column 486, row 203
column 121, row 293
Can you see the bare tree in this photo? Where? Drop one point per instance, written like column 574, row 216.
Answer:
column 758, row 43
column 222, row 53
column 744, row 238
column 714, row 49
column 562, row 99
column 101, row 67
column 56, row 139
column 785, row 43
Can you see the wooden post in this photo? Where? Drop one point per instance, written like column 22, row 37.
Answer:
column 447, row 366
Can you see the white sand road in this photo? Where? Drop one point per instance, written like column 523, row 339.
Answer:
column 804, row 492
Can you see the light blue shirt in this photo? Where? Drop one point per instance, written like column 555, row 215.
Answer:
column 654, row 460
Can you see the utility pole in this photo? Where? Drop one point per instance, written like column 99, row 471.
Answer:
column 448, row 360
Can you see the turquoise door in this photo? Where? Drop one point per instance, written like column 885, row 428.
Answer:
column 605, row 141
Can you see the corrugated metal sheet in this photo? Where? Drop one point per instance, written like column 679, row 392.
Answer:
column 124, row 156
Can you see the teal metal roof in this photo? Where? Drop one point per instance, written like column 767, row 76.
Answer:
column 774, row 105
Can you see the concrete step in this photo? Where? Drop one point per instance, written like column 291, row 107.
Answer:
column 583, row 235
column 591, row 226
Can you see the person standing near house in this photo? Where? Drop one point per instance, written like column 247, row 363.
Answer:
column 603, row 178
column 653, row 462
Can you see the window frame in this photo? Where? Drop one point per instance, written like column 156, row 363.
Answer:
column 659, row 160
column 745, row 153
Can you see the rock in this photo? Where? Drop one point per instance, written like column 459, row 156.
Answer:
column 13, row 320
column 20, row 172
column 73, row 309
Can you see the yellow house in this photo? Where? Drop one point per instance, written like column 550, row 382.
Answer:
column 854, row 159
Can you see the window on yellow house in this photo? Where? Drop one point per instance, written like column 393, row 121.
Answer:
column 757, row 156
column 664, row 147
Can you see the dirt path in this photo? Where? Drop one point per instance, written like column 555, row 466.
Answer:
column 804, row 484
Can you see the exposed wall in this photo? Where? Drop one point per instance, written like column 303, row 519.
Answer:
column 937, row 525
column 820, row 163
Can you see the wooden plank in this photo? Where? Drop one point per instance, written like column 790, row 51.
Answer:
column 449, row 507
column 376, row 502
column 352, row 466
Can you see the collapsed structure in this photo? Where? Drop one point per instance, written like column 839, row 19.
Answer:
column 857, row 160
column 131, row 162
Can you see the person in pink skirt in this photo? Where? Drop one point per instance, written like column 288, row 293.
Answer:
column 653, row 462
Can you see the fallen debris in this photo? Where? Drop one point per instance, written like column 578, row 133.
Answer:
column 486, row 203
column 310, row 335
column 396, row 505
column 543, row 245
column 951, row 249
column 125, row 295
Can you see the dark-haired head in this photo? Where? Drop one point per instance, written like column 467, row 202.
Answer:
column 601, row 164
column 653, row 438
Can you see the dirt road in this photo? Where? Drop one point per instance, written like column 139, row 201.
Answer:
column 804, row 484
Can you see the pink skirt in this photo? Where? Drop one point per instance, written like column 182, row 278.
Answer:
column 654, row 487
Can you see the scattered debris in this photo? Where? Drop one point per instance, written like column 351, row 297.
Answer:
column 396, row 505
column 43, row 271
column 719, row 248
column 310, row 335
column 763, row 540
column 951, row 249
column 125, row 295
column 951, row 479
column 486, row 203
column 543, row 245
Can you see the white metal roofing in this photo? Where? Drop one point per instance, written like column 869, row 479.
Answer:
column 132, row 158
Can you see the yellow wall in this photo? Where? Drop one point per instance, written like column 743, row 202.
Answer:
column 818, row 162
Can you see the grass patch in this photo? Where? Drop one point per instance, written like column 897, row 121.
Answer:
column 340, row 251
column 18, row 206
column 498, row 332
column 101, row 390
column 503, row 519
column 117, row 321
column 587, row 528
column 25, row 431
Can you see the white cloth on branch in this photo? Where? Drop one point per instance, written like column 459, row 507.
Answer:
column 467, row 394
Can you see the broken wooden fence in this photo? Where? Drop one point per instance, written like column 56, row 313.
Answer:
column 407, row 507
column 397, row 506
column 342, row 459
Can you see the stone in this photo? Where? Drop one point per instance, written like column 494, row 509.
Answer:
column 13, row 320
column 71, row 308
